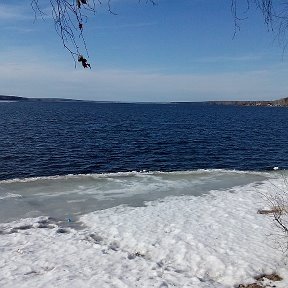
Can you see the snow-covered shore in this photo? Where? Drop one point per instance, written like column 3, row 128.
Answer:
column 215, row 240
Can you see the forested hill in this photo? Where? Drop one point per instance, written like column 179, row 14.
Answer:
column 22, row 99
column 274, row 103
column 12, row 98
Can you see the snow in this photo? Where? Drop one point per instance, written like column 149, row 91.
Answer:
column 214, row 240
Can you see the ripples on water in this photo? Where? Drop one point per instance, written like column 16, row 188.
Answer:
column 41, row 139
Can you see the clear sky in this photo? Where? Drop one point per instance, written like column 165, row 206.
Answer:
column 175, row 51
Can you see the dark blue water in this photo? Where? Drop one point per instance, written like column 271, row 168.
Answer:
column 43, row 139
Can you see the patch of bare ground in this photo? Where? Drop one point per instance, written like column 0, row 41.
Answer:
column 270, row 211
column 253, row 285
column 262, row 278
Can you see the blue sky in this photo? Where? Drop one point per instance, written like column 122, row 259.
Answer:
column 175, row 51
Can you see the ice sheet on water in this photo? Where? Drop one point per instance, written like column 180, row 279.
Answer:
column 9, row 195
column 65, row 196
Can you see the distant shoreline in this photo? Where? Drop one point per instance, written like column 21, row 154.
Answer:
column 274, row 103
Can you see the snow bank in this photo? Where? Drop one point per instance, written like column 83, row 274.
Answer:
column 216, row 240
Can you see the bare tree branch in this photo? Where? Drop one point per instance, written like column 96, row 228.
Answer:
column 277, row 200
column 71, row 16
